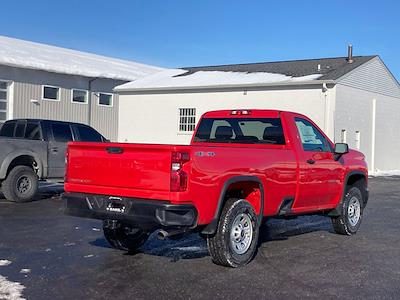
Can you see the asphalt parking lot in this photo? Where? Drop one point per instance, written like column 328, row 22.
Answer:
column 60, row 257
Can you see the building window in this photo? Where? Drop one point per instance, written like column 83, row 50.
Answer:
column 51, row 93
column 187, row 119
column 105, row 99
column 3, row 101
column 79, row 96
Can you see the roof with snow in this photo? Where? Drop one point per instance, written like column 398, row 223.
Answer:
column 30, row 55
column 287, row 72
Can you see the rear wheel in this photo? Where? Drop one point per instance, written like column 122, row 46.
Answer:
column 235, row 241
column 124, row 237
column 351, row 212
column 21, row 184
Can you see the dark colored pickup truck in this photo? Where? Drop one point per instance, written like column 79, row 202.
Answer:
column 241, row 167
column 32, row 150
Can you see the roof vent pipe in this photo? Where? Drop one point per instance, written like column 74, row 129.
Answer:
column 350, row 54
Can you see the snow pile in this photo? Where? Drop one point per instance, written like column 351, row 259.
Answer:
column 169, row 78
column 24, row 54
column 9, row 290
column 384, row 173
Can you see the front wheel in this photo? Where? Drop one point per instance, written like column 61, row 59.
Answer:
column 236, row 239
column 351, row 213
column 123, row 237
column 21, row 184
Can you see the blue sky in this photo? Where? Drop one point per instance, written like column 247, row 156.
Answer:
column 190, row 33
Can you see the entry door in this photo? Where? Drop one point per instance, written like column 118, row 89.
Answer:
column 3, row 101
column 62, row 134
column 320, row 174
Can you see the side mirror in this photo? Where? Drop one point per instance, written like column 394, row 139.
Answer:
column 340, row 149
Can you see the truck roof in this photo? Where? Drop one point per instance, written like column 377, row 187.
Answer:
column 251, row 113
column 43, row 120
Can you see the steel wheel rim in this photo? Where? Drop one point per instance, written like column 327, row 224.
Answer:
column 354, row 211
column 241, row 234
column 24, row 185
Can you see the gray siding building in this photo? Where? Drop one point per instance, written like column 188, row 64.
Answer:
column 355, row 100
column 41, row 81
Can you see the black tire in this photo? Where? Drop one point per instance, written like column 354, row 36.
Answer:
column 221, row 246
column 21, row 184
column 345, row 224
column 124, row 237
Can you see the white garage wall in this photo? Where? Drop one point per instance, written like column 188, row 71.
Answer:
column 387, row 137
column 354, row 112
column 153, row 118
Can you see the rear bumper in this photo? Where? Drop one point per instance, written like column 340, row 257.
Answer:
column 147, row 214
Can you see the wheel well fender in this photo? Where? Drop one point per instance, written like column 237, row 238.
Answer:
column 27, row 158
column 236, row 181
column 352, row 178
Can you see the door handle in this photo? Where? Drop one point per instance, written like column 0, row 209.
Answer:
column 54, row 150
column 311, row 161
column 115, row 150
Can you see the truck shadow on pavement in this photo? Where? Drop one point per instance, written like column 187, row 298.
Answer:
column 193, row 246
column 190, row 247
column 281, row 229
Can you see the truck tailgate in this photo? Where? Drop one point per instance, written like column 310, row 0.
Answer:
column 114, row 165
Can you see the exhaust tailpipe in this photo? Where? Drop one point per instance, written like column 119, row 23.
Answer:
column 162, row 234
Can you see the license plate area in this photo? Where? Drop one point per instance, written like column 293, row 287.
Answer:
column 116, row 205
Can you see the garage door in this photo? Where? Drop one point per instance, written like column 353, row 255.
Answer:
column 3, row 101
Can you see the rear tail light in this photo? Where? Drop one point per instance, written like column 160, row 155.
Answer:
column 178, row 176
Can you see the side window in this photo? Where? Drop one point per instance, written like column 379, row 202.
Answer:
column 61, row 132
column 311, row 138
column 32, row 131
column 7, row 129
column 87, row 134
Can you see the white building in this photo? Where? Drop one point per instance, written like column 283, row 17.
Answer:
column 353, row 99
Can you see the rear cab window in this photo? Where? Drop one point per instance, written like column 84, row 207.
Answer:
column 241, row 131
column 8, row 128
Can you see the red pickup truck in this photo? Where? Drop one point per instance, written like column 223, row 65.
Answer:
column 241, row 167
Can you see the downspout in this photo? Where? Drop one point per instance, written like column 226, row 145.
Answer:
column 89, row 117
column 326, row 113
column 373, row 133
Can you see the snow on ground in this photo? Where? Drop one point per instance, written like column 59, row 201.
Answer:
column 4, row 262
column 384, row 173
column 170, row 78
column 9, row 290
column 24, row 54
